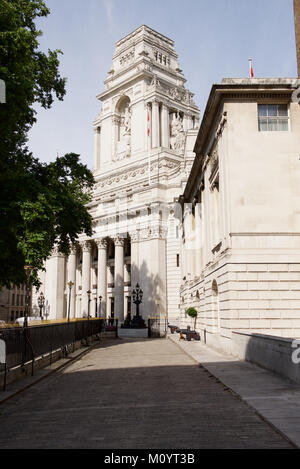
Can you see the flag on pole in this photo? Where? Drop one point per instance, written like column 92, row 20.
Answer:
column 251, row 68
column 148, row 123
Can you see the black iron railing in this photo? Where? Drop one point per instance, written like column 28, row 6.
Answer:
column 26, row 344
column 157, row 326
column 110, row 325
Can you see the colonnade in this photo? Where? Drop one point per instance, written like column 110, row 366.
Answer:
column 85, row 288
column 161, row 118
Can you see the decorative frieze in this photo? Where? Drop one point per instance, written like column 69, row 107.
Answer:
column 134, row 173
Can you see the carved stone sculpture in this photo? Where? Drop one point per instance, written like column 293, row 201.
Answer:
column 177, row 134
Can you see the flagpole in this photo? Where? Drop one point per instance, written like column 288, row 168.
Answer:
column 250, row 68
column 149, row 161
column 148, row 145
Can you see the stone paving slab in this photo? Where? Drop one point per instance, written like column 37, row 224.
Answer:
column 275, row 398
column 24, row 383
column 133, row 394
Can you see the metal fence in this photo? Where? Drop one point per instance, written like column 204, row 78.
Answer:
column 157, row 326
column 23, row 345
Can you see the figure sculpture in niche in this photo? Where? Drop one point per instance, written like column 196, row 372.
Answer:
column 127, row 131
column 123, row 149
column 177, row 134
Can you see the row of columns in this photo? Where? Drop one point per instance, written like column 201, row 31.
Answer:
column 161, row 125
column 102, row 245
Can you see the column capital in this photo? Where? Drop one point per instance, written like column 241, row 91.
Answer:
column 101, row 243
column 73, row 249
column 56, row 252
column 86, row 246
column 119, row 241
column 155, row 101
column 165, row 104
column 134, row 236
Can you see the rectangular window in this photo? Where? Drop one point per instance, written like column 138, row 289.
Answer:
column 178, row 260
column 273, row 117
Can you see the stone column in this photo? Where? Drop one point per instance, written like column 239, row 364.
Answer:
column 119, row 279
column 55, row 280
column 115, row 135
column 187, row 121
column 155, row 124
column 198, row 239
column 102, row 276
column 165, row 127
column 188, row 232
column 86, row 275
column 97, row 131
column 72, row 278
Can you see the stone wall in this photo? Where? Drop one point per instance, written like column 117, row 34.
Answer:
column 259, row 298
column 270, row 352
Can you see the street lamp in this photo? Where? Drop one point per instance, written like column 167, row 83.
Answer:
column 28, row 269
column 100, row 299
column 137, row 297
column 89, row 300
column 70, row 285
column 41, row 303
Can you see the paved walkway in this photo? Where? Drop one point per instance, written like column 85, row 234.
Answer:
column 275, row 398
column 128, row 394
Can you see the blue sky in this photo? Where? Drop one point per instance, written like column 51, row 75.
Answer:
column 213, row 38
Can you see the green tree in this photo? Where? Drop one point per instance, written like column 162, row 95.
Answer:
column 40, row 204
column 192, row 313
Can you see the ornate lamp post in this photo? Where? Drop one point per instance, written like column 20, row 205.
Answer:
column 70, row 285
column 100, row 299
column 137, row 298
column 28, row 269
column 89, row 301
column 41, row 303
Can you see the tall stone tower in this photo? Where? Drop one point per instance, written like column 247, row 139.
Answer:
column 144, row 138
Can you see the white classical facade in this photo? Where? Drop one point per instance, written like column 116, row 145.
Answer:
column 144, row 139
column 241, row 230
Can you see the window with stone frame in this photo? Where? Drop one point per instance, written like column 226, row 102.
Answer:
column 273, row 117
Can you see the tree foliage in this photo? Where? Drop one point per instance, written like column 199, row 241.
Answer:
column 40, row 204
column 192, row 313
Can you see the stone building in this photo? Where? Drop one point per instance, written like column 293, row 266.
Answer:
column 144, row 139
column 241, row 230
column 12, row 303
